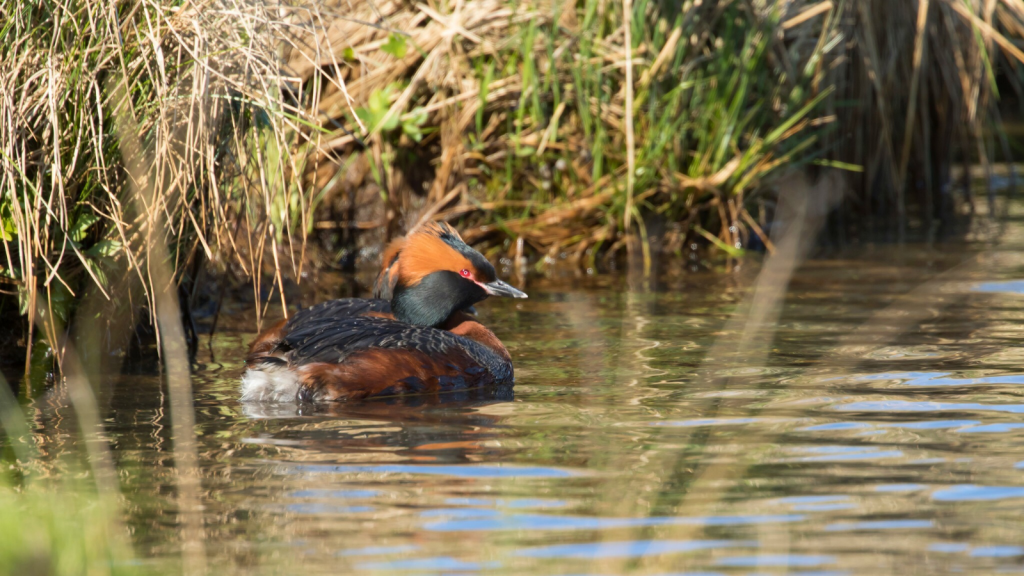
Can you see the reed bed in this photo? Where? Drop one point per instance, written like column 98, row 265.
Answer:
column 926, row 78
column 200, row 87
column 280, row 137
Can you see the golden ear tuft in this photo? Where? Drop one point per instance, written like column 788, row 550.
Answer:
column 426, row 252
column 391, row 252
column 438, row 229
column 384, row 286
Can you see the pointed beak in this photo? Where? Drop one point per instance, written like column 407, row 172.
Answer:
column 499, row 288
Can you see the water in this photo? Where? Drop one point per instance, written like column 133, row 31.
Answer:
column 881, row 433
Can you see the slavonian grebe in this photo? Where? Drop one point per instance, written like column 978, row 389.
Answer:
column 413, row 337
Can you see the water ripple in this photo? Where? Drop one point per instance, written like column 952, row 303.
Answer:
column 908, row 406
column 879, row 525
column 486, row 520
column 781, row 560
column 469, row 471
column 630, row 549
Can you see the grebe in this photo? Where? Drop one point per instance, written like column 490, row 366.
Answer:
column 414, row 337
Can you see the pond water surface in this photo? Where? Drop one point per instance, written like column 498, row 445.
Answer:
column 881, row 432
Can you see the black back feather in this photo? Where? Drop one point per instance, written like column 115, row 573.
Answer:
column 333, row 330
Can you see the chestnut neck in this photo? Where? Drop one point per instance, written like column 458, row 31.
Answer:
column 462, row 324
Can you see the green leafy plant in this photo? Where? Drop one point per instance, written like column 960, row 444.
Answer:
column 375, row 114
column 396, row 45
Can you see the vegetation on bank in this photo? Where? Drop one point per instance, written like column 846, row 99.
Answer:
column 543, row 128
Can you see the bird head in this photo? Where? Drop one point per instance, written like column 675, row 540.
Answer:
column 432, row 273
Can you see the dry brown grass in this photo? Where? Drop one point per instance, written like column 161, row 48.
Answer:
column 201, row 84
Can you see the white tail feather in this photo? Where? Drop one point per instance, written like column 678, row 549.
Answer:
column 269, row 384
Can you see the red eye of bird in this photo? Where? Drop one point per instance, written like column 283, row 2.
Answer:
column 465, row 273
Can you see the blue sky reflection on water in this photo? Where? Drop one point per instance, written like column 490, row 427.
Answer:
column 439, row 563
column 942, row 379
column 476, row 520
column 878, row 525
column 969, row 492
column 927, row 406
column 1004, row 286
column 634, row 548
